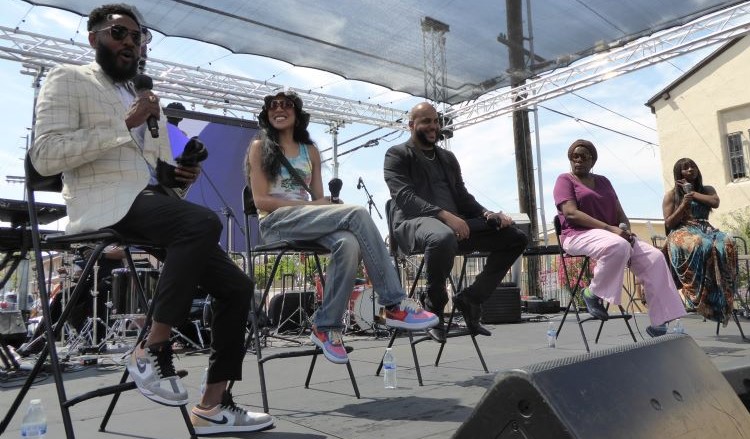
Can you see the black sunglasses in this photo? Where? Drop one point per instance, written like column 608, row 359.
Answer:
column 281, row 103
column 119, row 33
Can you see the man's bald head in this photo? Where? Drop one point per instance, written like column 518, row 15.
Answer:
column 424, row 125
column 423, row 108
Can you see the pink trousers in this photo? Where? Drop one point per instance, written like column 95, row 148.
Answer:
column 612, row 254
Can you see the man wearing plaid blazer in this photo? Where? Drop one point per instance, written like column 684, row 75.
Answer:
column 91, row 127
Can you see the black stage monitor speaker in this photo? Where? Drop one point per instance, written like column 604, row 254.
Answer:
column 503, row 306
column 739, row 378
column 661, row 388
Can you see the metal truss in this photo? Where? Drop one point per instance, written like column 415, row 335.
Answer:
column 197, row 86
column 702, row 32
column 237, row 94
column 434, row 63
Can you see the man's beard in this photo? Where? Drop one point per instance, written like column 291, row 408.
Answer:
column 422, row 137
column 107, row 59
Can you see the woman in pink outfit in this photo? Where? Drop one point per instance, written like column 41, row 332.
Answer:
column 594, row 224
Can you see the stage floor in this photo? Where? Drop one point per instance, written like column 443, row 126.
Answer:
column 329, row 409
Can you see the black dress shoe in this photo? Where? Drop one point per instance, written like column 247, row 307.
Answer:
column 471, row 312
column 595, row 307
column 437, row 333
column 657, row 331
column 463, row 305
column 476, row 329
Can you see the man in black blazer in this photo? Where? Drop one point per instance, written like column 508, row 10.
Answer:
column 435, row 214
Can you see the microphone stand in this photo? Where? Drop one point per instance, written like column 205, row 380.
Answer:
column 227, row 211
column 370, row 203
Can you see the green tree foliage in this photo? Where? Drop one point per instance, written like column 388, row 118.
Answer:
column 737, row 223
column 302, row 268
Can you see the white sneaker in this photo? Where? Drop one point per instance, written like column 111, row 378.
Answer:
column 227, row 418
column 154, row 374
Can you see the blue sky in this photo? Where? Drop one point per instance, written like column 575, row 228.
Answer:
column 485, row 150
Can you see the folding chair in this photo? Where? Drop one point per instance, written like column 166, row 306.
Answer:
column 103, row 238
column 737, row 240
column 399, row 257
column 279, row 249
column 744, row 309
column 575, row 288
column 656, row 239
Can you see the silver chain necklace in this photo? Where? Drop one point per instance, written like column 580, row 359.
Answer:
column 434, row 154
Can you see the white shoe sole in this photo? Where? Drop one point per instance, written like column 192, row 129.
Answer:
column 232, row 428
column 398, row 324
column 153, row 396
column 163, row 401
column 332, row 359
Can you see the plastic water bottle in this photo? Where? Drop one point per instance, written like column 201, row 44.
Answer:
column 34, row 424
column 551, row 335
column 678, row 328
column 389, row 365
column 203, row 381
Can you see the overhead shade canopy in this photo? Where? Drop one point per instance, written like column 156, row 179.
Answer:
column 381, row 41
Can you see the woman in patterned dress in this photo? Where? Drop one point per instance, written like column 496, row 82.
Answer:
column 702, row 258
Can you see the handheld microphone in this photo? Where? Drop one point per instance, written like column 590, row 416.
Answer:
column 360, row 183
column 195, row 152
column 334, row 186
column 142, row 83
column 687, row 187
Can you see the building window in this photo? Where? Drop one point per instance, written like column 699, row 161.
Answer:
column 736, row 156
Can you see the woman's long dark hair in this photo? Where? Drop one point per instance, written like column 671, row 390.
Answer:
column 269, row 136
column 679, row 192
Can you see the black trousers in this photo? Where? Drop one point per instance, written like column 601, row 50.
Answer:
column 190, row 234
column 440, row 245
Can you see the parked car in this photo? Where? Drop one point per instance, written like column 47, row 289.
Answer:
column 9, row 301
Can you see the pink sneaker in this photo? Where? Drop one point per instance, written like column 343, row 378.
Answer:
column 410, row 315
column 331, row 343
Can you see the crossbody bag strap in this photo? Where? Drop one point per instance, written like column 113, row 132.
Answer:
column 293, row 172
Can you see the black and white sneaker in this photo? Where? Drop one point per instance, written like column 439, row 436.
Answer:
column 154, row 374
column 227, row 418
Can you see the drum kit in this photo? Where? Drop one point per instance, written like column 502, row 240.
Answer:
column 124, row 299
column 363, row 314
column 111, row 326
column 112, row 314
column 125, row 314
column 291, row 311
column 360, row 316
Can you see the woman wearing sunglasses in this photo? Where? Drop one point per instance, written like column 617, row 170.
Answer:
column 293, row 207
column 595, row 225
